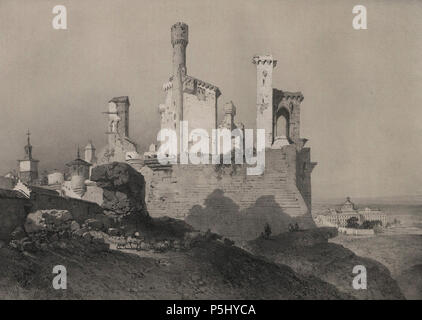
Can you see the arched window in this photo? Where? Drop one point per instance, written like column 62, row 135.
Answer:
column 282, row 123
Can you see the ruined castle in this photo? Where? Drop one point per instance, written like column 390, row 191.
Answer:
column 222, row 198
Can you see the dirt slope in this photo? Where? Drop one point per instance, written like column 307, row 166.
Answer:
column 309, row 253
column 209, row 270
column 401, row 254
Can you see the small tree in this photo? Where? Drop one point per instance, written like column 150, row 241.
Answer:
column 371, row 224
column 367, row 225
column 353, row 223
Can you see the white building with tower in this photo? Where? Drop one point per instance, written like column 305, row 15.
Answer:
column 28, row 166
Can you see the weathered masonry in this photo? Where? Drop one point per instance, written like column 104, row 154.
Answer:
column 222, row 197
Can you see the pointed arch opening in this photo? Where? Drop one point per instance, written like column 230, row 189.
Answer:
column 282, row 125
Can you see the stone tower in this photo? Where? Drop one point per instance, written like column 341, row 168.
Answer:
column 229, row 114
column 179, row 41
column 79, row 172
column 28, row 167
column 264, row 95
column 188, row 98
column 119, row 143
column 118, row 112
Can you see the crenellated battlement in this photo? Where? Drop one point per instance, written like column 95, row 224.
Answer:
column 179, row 34
column 190, row 83
column 264, row 59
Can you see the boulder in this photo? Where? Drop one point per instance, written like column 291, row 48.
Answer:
column 47, row 220
column 56, row 217
column 35, row 222
column 123, row 188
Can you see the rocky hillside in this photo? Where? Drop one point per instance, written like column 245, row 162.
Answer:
column 208, row 269
column 410, row 281
column 310, row 253
column 401, row 254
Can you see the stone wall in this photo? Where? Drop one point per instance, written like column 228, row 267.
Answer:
column 229, row 202
column 13, row 210
column 7, row 183
column 356, row 232
column 199, row 106
column 200, row 110
column 94, row 194
column 15, row 205
column 304, row 168
column 80, row 209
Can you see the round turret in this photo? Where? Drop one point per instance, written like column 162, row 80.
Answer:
column 78, row 185
column 179, row 34
column 79, row 172
column 179, row 40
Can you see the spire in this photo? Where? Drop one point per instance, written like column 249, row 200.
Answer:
column 78, row 161
column 28, row 134
column 28, row 147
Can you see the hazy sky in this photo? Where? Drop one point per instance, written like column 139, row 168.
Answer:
column 362, row 89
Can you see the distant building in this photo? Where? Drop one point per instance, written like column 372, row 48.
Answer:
column 79, row 173
column 368, row 214
column 348, row 210
column 35, row 192
column 55, row 180
column 28, row 166
column 119, row 142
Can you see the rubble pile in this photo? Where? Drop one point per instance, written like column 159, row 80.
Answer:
column 44, row 229
column 190, row 240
